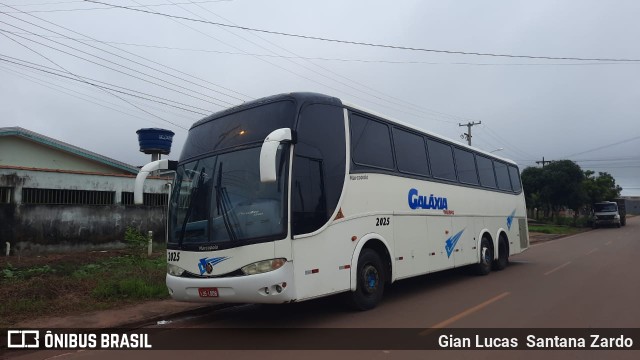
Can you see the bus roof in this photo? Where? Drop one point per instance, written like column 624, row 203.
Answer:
column 305, row 97
column 299, row 97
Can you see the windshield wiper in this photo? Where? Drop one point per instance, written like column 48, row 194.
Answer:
column 222, row 201
column 194, row 190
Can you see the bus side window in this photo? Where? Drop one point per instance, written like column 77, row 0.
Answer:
column 309, row 198
column 441, row 159
column 502, row 174
column 466, row 167
column 515, row 178
column 370, row 143
column 485, row 169
column 318, row 168
column 411, row 153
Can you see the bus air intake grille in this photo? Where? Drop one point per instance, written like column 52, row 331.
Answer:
column 524, row 236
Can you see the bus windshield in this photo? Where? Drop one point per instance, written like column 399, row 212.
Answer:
column 219, row 202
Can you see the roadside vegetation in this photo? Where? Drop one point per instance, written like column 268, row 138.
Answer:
column 56, row 285
column 554, row 229
column 562, row 186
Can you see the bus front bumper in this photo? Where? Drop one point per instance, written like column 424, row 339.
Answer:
column 273, row 287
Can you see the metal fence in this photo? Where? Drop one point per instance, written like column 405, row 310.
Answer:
column 67, row 197
column 149, row 199
column 6, row 195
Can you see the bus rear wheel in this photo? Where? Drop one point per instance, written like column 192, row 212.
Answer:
column 370, row 279
column 503, row 255
column 486, row 257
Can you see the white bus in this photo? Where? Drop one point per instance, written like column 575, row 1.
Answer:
column 299, row 196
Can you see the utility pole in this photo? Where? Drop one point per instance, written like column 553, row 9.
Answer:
column 543, row 162
column 468, row 133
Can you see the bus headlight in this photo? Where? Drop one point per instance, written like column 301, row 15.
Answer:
column 263, row 266
column 174, row 270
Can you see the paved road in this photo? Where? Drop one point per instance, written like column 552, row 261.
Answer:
column 590, row 280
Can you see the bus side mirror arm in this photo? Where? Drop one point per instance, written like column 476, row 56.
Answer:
column 164, row 164
column 269, row 151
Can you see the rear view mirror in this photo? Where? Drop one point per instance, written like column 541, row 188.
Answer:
column 268, row 153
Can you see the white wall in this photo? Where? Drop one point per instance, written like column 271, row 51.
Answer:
column 19, row 179
column 16, row 151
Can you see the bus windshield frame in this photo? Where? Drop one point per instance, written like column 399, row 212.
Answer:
column 217, row 200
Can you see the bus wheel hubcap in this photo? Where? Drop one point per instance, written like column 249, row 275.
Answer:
column 371, row 279
column 486, row 255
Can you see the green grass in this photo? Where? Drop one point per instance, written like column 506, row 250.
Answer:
column 9, row 272
column 128, row 289
column 71, row 287
column 553, row 229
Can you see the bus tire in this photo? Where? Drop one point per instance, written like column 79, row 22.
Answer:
column 503, row 255
column 483, row 267
column 370, row 279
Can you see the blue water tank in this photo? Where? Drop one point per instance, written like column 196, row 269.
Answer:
column 155, row 141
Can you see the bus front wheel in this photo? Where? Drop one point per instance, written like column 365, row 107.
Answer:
column 370, row 279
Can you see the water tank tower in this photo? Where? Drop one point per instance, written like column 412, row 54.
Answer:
column 155, row 142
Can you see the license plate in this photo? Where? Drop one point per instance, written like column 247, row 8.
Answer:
column 208, row 292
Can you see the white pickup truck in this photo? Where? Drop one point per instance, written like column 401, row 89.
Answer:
column 606, row 213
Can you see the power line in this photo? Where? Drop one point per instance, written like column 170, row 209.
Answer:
column 53, row 11
column 624, row 159
column 371, row 61
column 124, row 58
column 394, row 101
column 298, row 57
column 293, row 72
column 78, row 95
column 74, row 76
column 605, row 146
column 350, row 42
column 402, row 106
column 610, row 159
column 613, row 166
column 49, row 3
column 81, row 1
column 122, row 66
column 133, row 54
column 110, row 87
column 429, row 112
column 511, row 147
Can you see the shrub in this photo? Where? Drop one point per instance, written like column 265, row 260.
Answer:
column 136, row 241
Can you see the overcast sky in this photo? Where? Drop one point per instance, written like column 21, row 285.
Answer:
column 586, row 111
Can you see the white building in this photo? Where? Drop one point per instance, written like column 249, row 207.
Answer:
column 55, row 196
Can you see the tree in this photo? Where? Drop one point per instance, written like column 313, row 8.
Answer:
column 600, row 188
column 533, row 184
column 564, row 183
column 557, row 185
